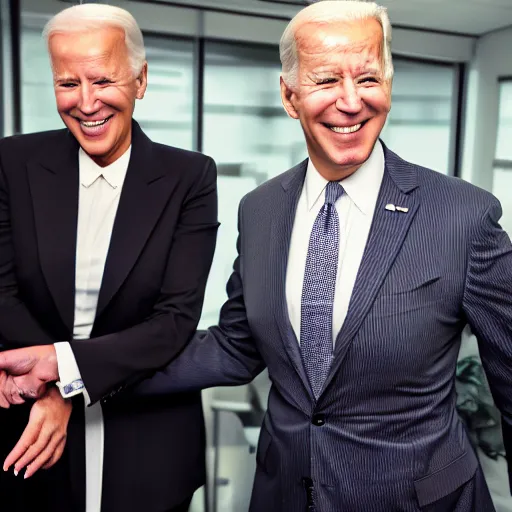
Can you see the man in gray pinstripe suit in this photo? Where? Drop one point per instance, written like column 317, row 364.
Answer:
column 368, row 423
column 356, row 274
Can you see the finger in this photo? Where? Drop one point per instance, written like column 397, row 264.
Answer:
column 4, row 402
column 31, row 386
column 14, row 393
column 57, row 454
column 42, row 458
column 27, row 439
column 33, row 451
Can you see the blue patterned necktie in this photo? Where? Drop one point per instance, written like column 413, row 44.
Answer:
column 318, row 291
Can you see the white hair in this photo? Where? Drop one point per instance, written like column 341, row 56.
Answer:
column 81, row 18
column 328, row 11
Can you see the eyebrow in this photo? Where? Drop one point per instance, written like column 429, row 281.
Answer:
column 95, row 78
column 368, row 71
column 357, row 72
column 61, row 79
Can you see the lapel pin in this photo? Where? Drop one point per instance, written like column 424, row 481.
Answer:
column 393, row 208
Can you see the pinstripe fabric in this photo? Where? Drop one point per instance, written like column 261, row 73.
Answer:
column 389, row 403
column 384, row 435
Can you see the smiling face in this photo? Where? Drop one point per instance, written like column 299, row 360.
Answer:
column 341, row 97
column 95, row 90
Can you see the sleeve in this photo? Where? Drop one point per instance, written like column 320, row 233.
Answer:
column 70, row 381
column 111, row 362
column 487, row 304
column 16, row 321
column 226, row 355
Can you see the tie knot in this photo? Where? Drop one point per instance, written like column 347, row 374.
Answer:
column 333, row 192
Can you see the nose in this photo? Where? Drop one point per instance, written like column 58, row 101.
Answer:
column 349, row 100
column 87, row 103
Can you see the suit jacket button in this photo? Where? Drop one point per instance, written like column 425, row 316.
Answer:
column 307, row 483
column 318, row 420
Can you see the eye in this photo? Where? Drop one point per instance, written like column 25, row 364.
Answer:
column 325, row 81
column 103, row 81
column 67, row 85
column 368, row 80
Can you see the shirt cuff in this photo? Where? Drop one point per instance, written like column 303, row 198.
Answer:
column 70, row 381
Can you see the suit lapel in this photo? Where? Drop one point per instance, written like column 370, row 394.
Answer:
column 146, row 190
column 387, row 234
column 53, row 182
column 282, row 225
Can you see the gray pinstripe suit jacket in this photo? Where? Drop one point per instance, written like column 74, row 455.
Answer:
column 384, row 435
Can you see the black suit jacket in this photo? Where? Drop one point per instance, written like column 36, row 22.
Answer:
column 149, row 305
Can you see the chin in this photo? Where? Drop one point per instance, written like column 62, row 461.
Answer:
column 351, row 158
column 95, row 150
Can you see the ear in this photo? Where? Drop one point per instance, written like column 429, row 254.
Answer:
column 289, row 98
column 142, row 81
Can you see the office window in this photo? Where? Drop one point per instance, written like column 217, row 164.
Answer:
column 248, row 133
column 419, row 124
column 252, row 139
column 166, row 113
column 502, row 168
column 38, row 109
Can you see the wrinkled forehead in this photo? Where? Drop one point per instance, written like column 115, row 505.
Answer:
column 357, row 41
column 83, row 44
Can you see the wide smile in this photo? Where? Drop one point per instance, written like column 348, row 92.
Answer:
column 345, row 130
column 94, row 128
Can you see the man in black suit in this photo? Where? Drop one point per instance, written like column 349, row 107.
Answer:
column 106, row 241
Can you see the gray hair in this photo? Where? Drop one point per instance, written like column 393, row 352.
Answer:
column 81, row 18
column 327, row 11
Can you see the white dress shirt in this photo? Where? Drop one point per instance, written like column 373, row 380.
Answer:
column 355, row 211
column 100, row 189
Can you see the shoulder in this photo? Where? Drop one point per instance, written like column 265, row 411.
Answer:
column 181, row 156
column 25, row 146
column 191, row 166
column 459, row 197
column 449, row 195
column 272, row 190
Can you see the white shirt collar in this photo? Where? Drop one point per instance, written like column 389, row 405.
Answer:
column 113, row 174
column 362, row 187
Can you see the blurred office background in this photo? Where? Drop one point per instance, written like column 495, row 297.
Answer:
column 214, row 87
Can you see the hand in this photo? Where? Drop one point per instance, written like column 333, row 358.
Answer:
column 32, row 368
column 9, row 392
column 42, row 443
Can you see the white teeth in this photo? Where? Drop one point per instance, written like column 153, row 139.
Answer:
column 90, row 124
column 346, row 129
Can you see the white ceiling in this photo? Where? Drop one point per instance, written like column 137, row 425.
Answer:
column 474, row 17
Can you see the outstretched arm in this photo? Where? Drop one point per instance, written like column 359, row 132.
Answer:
column 226, row 355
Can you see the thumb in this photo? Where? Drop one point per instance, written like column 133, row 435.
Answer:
column 5, row 360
